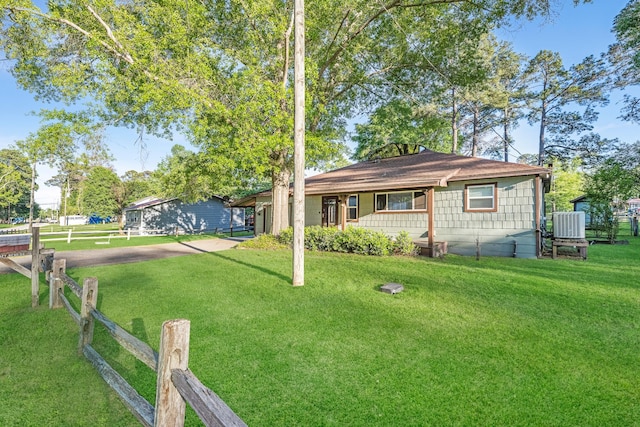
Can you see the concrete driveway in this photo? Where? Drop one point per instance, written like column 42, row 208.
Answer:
column 110, row 256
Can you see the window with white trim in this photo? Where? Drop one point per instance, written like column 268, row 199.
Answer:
column 352, row 208
column 481, row 198
column 400, row 201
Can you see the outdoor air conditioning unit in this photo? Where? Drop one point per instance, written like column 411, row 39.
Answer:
column 568, row 225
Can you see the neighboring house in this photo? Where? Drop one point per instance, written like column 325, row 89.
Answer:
column 435, row 197
column 174, row 216
column 634, row 206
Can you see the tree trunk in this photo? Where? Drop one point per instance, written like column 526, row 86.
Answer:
column 543, row 123
column 474, row 146
column 505, row 136
column 454, row 122
column 280, row 199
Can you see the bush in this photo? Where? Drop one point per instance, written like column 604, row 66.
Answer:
column 286, row 236
column 317, row 238
column 403, row 245
column 263, row 241
column 355, row 240
column 362, row 241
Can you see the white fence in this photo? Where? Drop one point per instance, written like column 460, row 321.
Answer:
column 102, row 236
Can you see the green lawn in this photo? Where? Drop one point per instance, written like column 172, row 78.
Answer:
column 490, row 342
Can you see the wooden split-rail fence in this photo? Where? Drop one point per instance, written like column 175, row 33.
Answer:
column 176, row 385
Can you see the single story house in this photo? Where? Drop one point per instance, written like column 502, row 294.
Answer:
column 152, row 215
column 467, row 202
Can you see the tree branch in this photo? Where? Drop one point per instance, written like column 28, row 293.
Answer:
column 394, row 4
column 126, row 56
column 73, row 25
column 287, row 40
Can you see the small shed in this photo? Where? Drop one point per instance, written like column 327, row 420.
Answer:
column 155, row 215
column 581, row 204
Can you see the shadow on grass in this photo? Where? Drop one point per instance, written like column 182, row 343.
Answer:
column 255, row 267
column 192, row 247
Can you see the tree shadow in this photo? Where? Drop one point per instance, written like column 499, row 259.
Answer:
column 255, row 267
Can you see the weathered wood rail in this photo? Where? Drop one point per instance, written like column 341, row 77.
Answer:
column 176, row 385
column 41, row 260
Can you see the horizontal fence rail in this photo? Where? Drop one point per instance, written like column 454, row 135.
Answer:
column 210, row 408
column 137, row 404
column 141, row 350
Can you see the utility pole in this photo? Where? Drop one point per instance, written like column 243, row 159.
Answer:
column 298, row 145
column 32, row 196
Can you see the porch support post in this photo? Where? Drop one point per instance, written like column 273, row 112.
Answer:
column 431, row 224
column 343, row 211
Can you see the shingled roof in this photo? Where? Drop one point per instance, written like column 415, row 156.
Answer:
column 425, row 169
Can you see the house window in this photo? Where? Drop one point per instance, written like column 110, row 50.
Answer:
column 352, row 208
column 401, row 201
column 481, row 198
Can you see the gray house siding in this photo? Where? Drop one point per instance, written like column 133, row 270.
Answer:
column 175, row 216
column 414, row 223
column 509, row 230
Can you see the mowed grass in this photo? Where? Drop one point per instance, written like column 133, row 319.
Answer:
column 489, row 342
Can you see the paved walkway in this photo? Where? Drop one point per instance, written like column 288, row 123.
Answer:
column 110, row 256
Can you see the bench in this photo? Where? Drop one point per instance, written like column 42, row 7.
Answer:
column 580, row 244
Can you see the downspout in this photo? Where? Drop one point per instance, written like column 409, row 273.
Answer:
column 538, row 210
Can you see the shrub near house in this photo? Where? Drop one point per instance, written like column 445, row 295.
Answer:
column 352, row 240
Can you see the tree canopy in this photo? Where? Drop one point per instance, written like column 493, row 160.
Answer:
column 220, row 72
column 15, row 175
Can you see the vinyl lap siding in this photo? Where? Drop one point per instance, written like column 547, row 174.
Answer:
column 192, row 217
column 498, row 233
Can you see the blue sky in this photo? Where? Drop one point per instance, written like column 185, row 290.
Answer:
column 574, row 32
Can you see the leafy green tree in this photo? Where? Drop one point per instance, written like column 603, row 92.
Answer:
column 398, row 129
column 100, row 192
column 186, row 174
column 52, row 144
column 133, row 185
column 15, row 175
column 552, row 90
column 509, row 78
column 607, row 188
column 136, row 185
column 567, row 184
column 625, row 57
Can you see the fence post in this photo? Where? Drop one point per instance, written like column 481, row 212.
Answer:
column 173, row 354
column 129, row 234
column 35, row 266
column 89, row 299
column 69, row 237
column 55, row 283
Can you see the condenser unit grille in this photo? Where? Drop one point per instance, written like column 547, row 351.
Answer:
column 568, row 225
